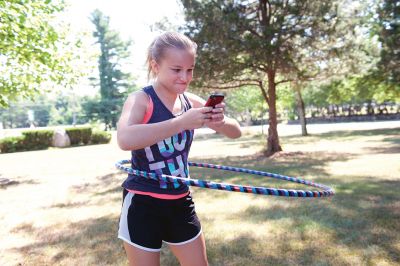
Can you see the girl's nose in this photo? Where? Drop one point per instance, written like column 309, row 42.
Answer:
column 183, row 76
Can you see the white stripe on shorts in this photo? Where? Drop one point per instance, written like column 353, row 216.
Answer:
column 123, row 231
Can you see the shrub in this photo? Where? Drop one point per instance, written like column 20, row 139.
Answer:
column 37, row 139
column 29, row 141
column 12, row 144
column 78, row 135
column 100, row 137
column 86, row 135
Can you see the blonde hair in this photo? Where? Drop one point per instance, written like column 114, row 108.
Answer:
column 167, row 40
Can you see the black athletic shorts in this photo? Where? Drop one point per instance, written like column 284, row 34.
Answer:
column 146, row 221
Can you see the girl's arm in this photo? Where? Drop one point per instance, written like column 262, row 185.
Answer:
column 219, row 122
column 133, row 135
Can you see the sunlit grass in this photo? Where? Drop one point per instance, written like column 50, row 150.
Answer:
column 360, row 225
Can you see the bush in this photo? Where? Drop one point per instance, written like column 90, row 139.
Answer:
column 12, row 144
column 37, row 139
column 78, row 135
column 100, row 137
column 42, row 139
column 29, row 141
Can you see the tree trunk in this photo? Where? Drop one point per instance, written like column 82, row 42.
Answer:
column 248, row 117
column 301, row 111
column 273, row 138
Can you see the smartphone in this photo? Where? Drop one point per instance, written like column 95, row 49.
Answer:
column 214, row 99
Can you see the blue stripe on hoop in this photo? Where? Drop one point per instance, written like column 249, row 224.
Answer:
column 327, row 191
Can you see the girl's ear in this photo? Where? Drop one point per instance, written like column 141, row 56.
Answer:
column 154, row 66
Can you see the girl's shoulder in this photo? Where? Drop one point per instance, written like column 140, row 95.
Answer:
column 139, row 96
column 137, row 100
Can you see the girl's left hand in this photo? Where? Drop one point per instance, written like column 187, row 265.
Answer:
column 217, row 116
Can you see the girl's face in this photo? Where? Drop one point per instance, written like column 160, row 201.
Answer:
column 175, row 70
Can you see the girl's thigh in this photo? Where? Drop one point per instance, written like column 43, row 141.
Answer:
column 140, row 257
column 192, row 253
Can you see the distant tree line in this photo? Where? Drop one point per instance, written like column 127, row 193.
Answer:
column 61, row 111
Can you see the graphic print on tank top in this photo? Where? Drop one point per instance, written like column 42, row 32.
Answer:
column 173, row 159
column 168, row 156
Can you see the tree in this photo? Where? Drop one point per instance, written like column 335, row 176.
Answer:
column 30, row 49
column 374, row 59
column 255, row 43
column 113, row 81
column 388, row 28
column 384, row 79
column 346, row 53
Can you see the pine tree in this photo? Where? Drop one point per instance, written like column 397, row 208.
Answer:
column 113, row 81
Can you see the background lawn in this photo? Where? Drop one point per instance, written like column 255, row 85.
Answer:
column 64, row 205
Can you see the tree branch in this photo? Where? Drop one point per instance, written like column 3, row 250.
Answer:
column 283, row 81
column 226, row 87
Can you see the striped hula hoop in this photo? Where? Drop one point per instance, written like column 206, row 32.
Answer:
column 326, row 191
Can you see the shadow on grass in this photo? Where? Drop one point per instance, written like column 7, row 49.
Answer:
column 213, row 136
column 393, row 140
column 6, row 182
column 104, row 185
column 89, row 242
column 345, row 135
column 250, row 250
column 385, row 150
column 69, row 204
column 363, row 214
column 304, row 165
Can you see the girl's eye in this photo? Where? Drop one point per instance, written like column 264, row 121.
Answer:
column 176, row 70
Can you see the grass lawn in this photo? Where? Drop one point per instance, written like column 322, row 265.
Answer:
column 63, row 208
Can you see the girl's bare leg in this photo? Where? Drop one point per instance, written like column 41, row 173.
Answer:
column 192, row 253
column 140, row 257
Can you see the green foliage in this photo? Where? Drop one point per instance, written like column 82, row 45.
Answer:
column 30, row 49
column 12, row 144
column 114, row 82
column 14, row 117
column 60, row 109
column 37, row 139
column 29, row 141
column 100, row 137
column 239, row 42
column 67, row 110
column 41, row 114
column 379, row 79
column 245, row 103
column 79, row 135
column 286, row 102
column 42, row 139
column 354, row 90
column 262, row 43
column 387, row 28
column 103, row 110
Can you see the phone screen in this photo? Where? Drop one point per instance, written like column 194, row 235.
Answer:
column 214, row 99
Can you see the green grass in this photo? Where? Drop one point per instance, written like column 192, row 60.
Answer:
column 360, row 225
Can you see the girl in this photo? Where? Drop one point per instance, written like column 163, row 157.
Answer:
column 157, row 125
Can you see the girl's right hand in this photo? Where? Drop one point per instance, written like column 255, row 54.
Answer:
column 195, row 117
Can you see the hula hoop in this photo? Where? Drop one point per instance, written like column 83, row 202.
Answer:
column 326, row 191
